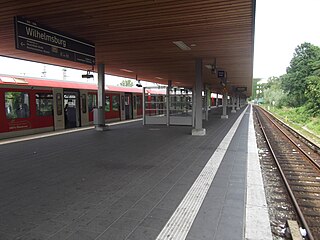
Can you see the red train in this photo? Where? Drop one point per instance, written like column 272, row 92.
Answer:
column 30, row 105
column 34, row 105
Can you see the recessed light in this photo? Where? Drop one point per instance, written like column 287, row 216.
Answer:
column 126, row 70
column 182, row 45
column 193, row 45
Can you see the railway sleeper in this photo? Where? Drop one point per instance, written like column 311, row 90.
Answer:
column 293, row 230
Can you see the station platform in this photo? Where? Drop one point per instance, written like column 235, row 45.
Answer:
column 136, row 182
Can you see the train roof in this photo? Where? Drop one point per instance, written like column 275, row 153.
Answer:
column 41, row 82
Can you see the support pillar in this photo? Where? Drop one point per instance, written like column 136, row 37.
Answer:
column 99, row 114
column 238, row 103
column 233, row 110
column 144, row 106
column 198, row 130
column 206, row 102
column 217, row 102
column 224, row 106
column 168, row 102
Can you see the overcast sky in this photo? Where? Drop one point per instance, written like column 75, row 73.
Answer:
column 281, row 25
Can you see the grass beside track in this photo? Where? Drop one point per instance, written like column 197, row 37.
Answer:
column 308, row 127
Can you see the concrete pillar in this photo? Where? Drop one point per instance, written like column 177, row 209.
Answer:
column 238, row 103
column 206, row 101
column 224, row 105
column 217, row 100
column 144, row 106
column 168, row 102
column 99, row 116
column 233, row 110
column 198, row 130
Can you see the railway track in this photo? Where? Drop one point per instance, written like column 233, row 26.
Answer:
column 298, row 162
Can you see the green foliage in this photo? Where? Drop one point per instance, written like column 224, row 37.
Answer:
column 296, row 95
column 126, row 83
column 314, row 125
column 299, row 119
column 302, row 65
column 273, row 94
column 313, row 95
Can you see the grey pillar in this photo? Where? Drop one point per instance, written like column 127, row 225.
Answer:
column 238, row 103
column 198, row 130
column 224, row 105
column 233, row 104
column 217, row 95
column 206, row 103
column 143, row 106
column 168, row 102
column 99, row 116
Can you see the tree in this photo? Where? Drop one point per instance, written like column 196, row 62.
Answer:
column 126, row 83
column 273, row 94
column 294, row 83
column 313, row 95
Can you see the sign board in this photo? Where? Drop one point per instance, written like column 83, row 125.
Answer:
column 241, row 89
column 36, row 38
column 221, row 74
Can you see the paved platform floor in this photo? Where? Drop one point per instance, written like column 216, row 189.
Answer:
column 121, row 184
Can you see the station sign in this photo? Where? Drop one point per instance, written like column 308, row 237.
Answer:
column 241, row 89
column 36, row 38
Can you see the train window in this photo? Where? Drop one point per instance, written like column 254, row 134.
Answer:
column 134, row 102
column 115, row 103
column 92, row 101
column 153, row 102
column 17, row 105
column 44, row 104
column 107, row 107
column 84, row 103
column 139, row 102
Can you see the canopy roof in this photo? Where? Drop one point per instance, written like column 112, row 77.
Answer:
column 136, row 37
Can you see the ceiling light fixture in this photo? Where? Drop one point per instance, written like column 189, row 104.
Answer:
column 182, row 45
column 159, row 78
column 126, row 70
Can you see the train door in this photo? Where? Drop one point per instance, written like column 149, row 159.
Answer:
column 128, row 105
column 58, row 109
column 71, row 109
column 84, row 120
column 134, row 112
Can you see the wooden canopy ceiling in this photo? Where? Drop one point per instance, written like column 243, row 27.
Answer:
column 138, row 35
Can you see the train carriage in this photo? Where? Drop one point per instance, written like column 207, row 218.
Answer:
column 35, row 105
column 31, row 105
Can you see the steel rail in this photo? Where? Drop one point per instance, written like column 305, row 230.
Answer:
column 306, row 154
column 294, row 132
column 295, row 203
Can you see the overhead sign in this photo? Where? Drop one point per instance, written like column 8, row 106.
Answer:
column 36, row 38
column 241, row 89
column 221, row 74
